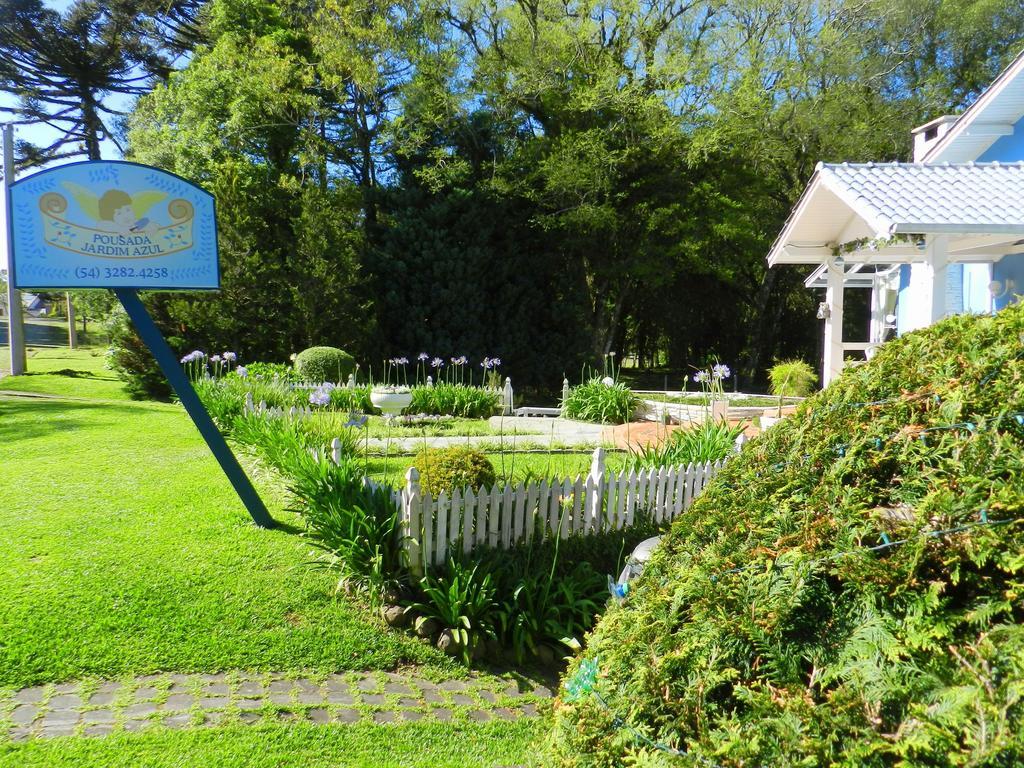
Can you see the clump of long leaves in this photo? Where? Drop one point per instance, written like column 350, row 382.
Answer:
column 708, row 442
column 549, row 609
column 282, row 442
column 458, row 400
column 462, row 599
column 600, row 402
column 846, row 591
column 356, row 525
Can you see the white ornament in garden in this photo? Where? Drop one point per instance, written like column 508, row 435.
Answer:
column 608, row 381
column 391, row 400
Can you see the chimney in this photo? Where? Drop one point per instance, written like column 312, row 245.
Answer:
column 926, row 136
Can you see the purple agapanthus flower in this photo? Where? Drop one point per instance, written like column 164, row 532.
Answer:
column 701, row 377
column 242, row 371
column 356, row 421
column 422, row 356
column 214, row 358
column 230, row 357
column 191, row 357
column 495, row 362
column 720, row 371
column 319, row 397
column 401, row 361
column 437, row 362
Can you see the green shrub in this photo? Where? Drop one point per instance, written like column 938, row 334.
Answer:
column 134, row 364
column 271, row 371
column 444, row 469
column 776, row 626
column 602, row 403
column 457, row 400
column 792, row 378
column 708, row 442
column 320, row 364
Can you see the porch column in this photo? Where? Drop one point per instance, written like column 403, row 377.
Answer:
column 833, row 322
column 938, row 277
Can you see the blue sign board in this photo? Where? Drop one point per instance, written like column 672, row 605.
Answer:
column 110, row 224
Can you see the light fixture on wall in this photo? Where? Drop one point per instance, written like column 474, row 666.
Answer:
column 824, row 311
column 1001, row 288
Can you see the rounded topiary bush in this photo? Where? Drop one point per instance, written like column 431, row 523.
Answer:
column 849, row 591
column 444, row 469
column 319, row 364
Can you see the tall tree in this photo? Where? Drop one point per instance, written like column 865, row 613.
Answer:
column 243, row 119
column 65, row 69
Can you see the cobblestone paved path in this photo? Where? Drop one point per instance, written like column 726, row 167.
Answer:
column 179, row 701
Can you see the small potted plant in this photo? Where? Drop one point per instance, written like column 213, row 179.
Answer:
column 790, row 378
column 392, row 399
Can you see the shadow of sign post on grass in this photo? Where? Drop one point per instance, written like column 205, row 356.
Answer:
column 126, row 227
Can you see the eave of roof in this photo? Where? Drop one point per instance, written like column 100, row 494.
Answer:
column 998, row 90
column 860, row 190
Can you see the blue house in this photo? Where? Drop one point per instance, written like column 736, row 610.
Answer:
column 939, row 236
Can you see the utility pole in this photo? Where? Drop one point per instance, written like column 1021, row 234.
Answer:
column 72, row 331
column 15, row 329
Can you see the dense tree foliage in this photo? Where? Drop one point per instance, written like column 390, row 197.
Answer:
column 541, row 180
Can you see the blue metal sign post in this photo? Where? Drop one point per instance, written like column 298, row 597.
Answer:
column 127, row 227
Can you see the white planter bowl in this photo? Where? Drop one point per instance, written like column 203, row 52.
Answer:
column 391, row 403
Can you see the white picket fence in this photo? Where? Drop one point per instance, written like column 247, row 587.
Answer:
column 505, row 516
column 275, row 412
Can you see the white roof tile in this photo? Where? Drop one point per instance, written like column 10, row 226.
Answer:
column 948, row 198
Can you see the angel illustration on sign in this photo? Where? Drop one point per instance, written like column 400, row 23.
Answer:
column 116, row 210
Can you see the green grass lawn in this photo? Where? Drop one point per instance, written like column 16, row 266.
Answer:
column 65, row 372
column 127, row 552
column 378, row 427
column 297, row 745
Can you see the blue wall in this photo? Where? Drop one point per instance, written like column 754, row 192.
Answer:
column 1009, row 268
column 1007, row 149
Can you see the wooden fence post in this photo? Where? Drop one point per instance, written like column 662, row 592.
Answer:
column 410, row 529
column 507, row 396
column 565, row 394
column 596, row 490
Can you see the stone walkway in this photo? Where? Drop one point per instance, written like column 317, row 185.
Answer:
column 178, row 701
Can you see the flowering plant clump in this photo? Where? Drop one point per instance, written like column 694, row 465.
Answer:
column 195, row 364
column 711, row 382
column 491, row 376
column 322, row 394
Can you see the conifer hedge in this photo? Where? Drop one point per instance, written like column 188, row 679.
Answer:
column 849, row 591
